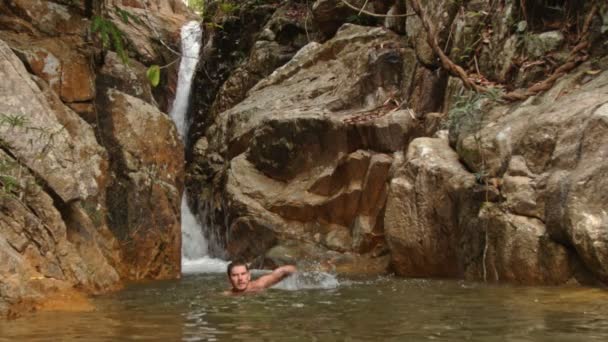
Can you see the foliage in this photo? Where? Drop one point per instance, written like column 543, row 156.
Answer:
column 467, row 115
column 228, row 8
column 9, row 184
column 125, row 16
column 153, row 74
column 467, row 109
column 197, row 6
column 13, row 120
column 110, row 35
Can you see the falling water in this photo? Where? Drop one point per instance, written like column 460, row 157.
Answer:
column 194, row 245
column 195, row 248
column 191, row 35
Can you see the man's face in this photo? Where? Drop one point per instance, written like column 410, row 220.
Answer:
column 240, row 277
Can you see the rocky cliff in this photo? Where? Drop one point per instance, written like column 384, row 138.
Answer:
column 363, row 154
column 89, row 198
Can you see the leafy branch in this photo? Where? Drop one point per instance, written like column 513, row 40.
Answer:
column 110, row 35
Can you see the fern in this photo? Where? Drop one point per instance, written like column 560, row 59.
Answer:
column 110, row 36
column 125, row 16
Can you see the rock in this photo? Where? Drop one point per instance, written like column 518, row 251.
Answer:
column 546, row 155
column 518, row 250
column 77, row 218
column 347, row 264
column 329, row 15
column 539, row 45
column 49, row 138
column 428, row 86
column 298, row 160
column 426, row 195
column 147, row 178
column 77, row 82
column 130, row 79
column 441, row 13
column 38, row 258
column 49, row 17
column 163, row 20
column 282, row 36
column 338, row 239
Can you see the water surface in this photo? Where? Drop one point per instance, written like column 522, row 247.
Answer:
column 323, row 309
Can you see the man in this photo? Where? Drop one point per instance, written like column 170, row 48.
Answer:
column 240, row 277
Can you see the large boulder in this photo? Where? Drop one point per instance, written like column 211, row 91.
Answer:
column 306, row 156
column 546, row 156
column 39, row 257
column 428, row 192
column 46, row 136
column 147, row 177
column 50, row 164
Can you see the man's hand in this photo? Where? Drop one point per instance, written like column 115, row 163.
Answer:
column 276, row 276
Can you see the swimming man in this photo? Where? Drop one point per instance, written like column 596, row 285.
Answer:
column 240, row 278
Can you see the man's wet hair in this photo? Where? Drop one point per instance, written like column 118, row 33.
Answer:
column 236, row 263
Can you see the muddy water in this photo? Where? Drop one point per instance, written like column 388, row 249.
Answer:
column 312, row 308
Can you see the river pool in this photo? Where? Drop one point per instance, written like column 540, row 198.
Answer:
column 319, row 307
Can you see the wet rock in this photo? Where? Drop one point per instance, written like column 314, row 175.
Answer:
column 517, row 249
column 304, row 156
column 147, row 177
column 427, row 194
column 546, row 155
column 38, row 258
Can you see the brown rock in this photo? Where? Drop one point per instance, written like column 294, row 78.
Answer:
column 291, row 159
column 77, row 80
column 130, row 79
column 425, row 197
column 148, row 177
column 49, row 17
column 518, row 250
column 73, row 161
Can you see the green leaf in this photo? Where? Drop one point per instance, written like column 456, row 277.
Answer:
column 124, row 16
column 153, row 75
column 96, row 24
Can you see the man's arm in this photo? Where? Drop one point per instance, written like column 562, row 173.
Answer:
column 276, row 276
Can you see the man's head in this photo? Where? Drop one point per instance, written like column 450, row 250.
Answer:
column 239, row 276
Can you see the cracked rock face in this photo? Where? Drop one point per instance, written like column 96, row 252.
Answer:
column 89, row 193
column 306, row 156
column 547, row 156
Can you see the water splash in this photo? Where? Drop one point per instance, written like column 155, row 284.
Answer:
column 308, row 281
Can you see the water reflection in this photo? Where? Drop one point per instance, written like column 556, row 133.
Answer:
column 387, row 309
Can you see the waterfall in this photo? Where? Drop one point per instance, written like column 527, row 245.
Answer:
column 195, row 257
column 191, row 35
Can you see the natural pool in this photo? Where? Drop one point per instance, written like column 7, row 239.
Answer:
column 379, row 309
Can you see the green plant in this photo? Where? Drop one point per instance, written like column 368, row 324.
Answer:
column 197, row 6
column 13, row 120
column 110, row 35
column 94, row 212
column 228, row 8
column 9, row 183
column 125, row 16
